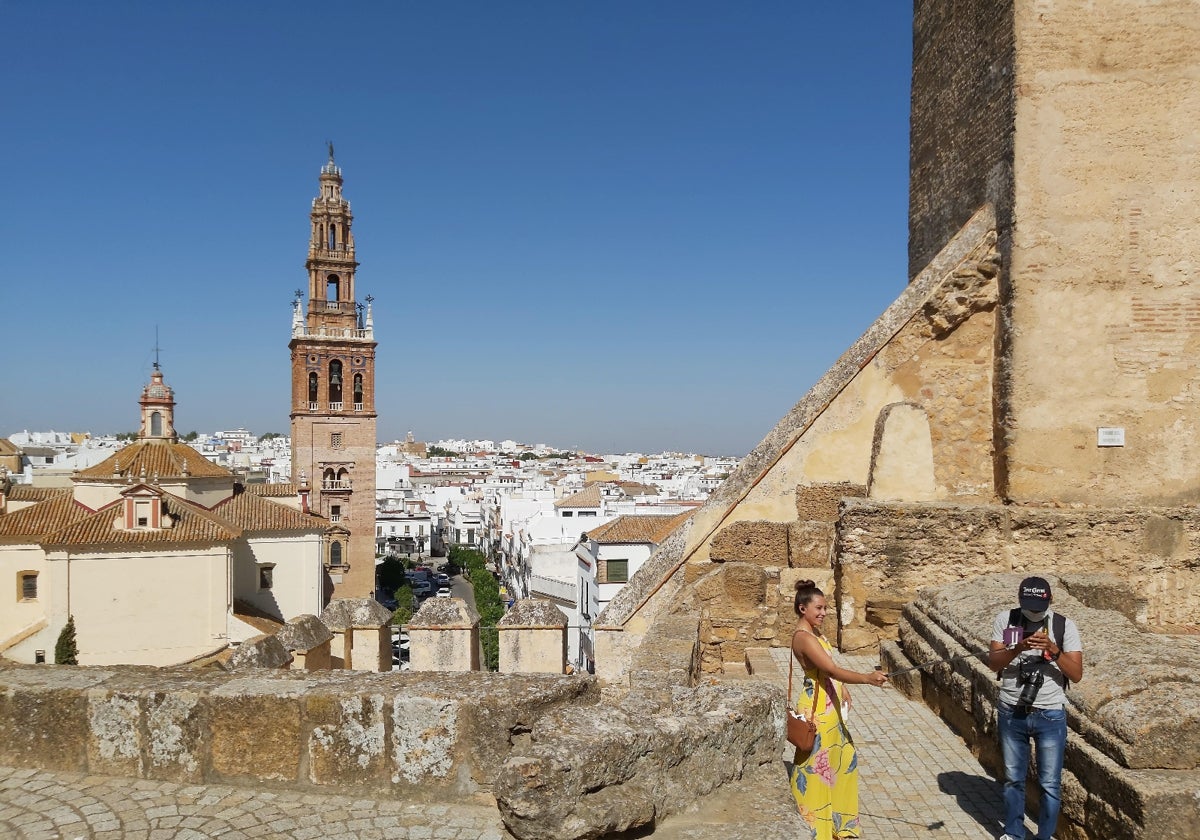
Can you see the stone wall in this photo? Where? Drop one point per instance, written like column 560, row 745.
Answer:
column 563, row 759
column 1133, row 752
column 889, row 551
column 423, row 736
column 961, row 121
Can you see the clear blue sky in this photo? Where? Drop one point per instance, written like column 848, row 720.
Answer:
column 622, row 226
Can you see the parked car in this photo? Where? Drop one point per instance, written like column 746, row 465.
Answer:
column 442, row 578
column 422, row 589
column 443, row 592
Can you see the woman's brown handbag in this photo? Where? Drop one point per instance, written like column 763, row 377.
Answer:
column 801, row 731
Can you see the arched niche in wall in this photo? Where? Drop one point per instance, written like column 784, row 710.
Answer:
column 902, row 456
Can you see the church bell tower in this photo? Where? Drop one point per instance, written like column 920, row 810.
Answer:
column 333, row 393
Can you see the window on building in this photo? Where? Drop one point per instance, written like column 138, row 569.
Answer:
column 618, row 571
column 335, row 381
column 587, row 513
column 28, row 586
column 332, row 283
column 156, row 423
column 141, row 513
column 266, row 577
column 335, row 513
column 406, row 528
column 335, row 440
column 335, row 554
column 379, row 530
column 312, row 387
column 358, row 389
column 567, row 514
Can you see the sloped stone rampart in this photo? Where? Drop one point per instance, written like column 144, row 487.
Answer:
column 1133, row 753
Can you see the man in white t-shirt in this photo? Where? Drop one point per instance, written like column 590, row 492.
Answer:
column 1036, row 653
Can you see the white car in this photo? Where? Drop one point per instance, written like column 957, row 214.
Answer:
column 443, row 592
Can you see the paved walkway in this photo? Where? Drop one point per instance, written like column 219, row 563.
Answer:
column 917, row 781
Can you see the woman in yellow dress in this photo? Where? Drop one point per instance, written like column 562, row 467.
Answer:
column 825, row 780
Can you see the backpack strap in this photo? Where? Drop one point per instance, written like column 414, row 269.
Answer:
column 1058, row 631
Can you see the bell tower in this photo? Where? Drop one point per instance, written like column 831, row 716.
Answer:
column 333, row 393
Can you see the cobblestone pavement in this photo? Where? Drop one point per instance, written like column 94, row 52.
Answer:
column 36, row 805
column 917, row 780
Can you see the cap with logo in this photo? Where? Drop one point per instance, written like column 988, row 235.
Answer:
column 1034, row 594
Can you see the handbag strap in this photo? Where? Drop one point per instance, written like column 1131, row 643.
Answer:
column 812, row 715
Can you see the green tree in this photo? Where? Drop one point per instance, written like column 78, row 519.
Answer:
column 269, row 436
column 488, row 602
column 65, row 650
column 126, row 435
column 390, row 574
column 191, row 436
column 404, row 605
column 439, row 452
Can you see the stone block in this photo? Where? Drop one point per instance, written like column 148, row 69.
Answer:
column 179, row 734
column 810, row 544
column 346, row 742
column 44, row 726
column 114, row 748
column 820, row 502
column 256, row 731
column 763, row 543
column 425, row 731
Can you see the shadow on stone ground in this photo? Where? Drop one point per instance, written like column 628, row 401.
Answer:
column 977, row 795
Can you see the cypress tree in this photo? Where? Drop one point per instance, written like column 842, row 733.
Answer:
column 65, row 650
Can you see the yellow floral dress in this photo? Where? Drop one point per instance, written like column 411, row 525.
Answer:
column 825, row 780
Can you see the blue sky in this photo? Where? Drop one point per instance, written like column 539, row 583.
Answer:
column 619, row 226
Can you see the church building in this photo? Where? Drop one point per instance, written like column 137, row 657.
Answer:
column 159, row 555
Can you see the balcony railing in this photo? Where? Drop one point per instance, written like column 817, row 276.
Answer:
column 358, row 406
column 335, row 406
column 336, row 485
column 301, row 331
column 312, row 406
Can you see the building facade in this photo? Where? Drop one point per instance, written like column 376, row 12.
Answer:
column 333, row 394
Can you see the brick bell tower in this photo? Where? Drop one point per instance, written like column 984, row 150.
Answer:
column 333, row 395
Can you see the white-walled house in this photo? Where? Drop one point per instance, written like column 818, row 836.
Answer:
column 605, row 560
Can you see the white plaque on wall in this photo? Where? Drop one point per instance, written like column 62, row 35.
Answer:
column 1110, row 436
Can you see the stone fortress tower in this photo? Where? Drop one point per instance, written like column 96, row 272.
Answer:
column 1077, row 122
column 333, row 394
column 1031, row 400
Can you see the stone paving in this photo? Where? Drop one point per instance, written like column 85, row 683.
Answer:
column 917, row 781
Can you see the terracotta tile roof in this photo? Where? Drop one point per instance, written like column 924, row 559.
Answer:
column 638, row 528
column 256, row 514
column 7, row 447
column 193, row 525
column 635, row 488
column 36, row 522
column 151, row 458
column 586, row 498
column 29, row 493
column 272, row 490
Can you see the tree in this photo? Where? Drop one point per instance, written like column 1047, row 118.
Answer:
column 126, row 435
column 191, row 436
column 269, row 436
column 404, row 605
column 65, row 650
